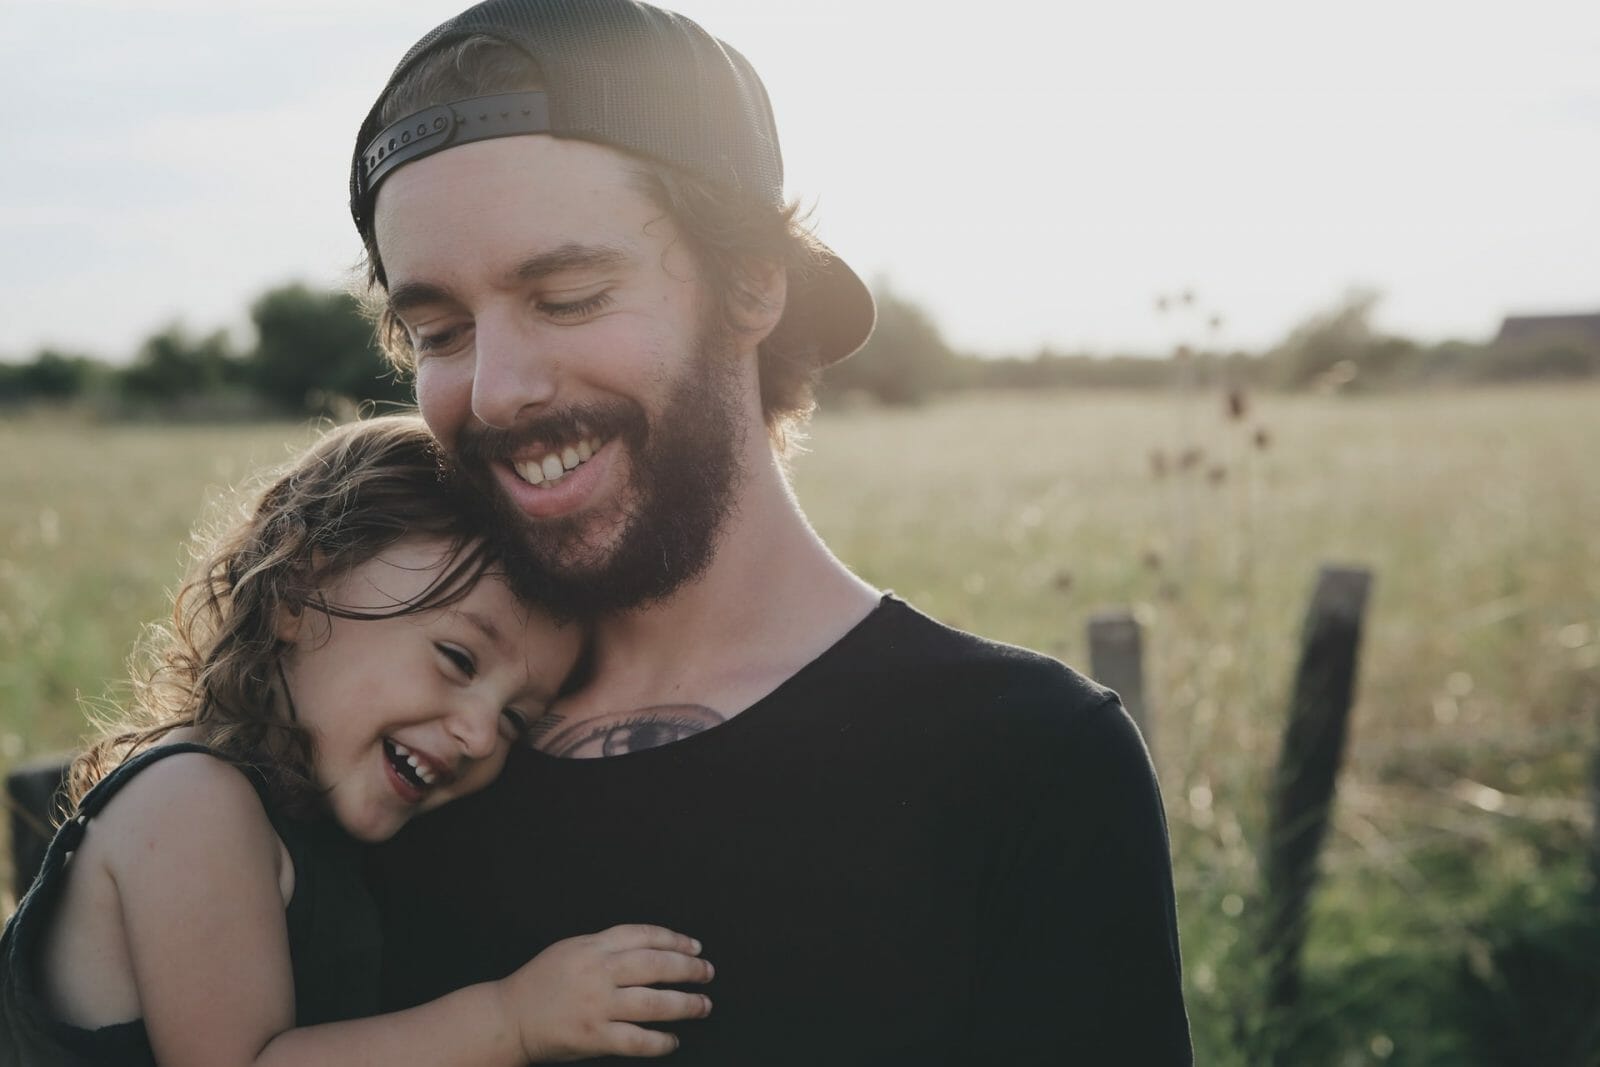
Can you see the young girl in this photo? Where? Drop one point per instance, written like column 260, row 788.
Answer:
column 344, row 659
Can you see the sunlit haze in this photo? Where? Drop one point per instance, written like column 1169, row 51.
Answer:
column 1033, row 174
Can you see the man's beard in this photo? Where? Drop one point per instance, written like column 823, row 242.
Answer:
column 683, row 470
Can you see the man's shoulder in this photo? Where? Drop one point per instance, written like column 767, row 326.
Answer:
column 941, row 680
column 915, row 653
column 1021, row 721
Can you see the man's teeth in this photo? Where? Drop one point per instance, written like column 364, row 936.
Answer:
column 554, row 465
column 422, row 770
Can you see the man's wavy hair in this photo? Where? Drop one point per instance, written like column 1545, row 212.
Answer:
column 732, row 240
column 214, row 668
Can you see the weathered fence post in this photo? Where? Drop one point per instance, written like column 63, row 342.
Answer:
column 1594, row 830
column 1116, row 660
column 1303, row 783
column 32, row 795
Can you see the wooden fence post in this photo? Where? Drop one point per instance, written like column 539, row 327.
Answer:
column 32, row 795
column 1594, row 830
column 1303, row 783
column 1116, row 659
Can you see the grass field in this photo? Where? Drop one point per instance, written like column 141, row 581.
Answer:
column 1463, row 810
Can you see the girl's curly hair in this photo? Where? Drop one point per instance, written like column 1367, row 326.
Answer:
column 214, row 668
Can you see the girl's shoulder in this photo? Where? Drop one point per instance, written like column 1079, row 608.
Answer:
column 168, row 838
column 179, row 807
column 179, row 781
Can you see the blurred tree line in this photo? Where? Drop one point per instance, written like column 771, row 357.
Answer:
column 1337, row 349
column 1340, row 349
column 314, row 353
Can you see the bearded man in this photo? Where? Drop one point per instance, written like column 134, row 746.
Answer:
column 898, row 843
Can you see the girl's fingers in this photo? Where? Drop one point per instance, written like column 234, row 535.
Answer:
column 638, row 1004
column 648, row 966
column 625, row 1039
column 638, row 935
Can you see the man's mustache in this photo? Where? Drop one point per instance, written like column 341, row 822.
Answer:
column 478, row 445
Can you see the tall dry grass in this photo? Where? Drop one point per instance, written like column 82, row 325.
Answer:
column 1017, row 517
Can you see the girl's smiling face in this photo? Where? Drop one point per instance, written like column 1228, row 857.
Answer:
column 412, row 711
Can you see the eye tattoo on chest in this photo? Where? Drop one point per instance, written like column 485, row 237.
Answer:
column 621, row 732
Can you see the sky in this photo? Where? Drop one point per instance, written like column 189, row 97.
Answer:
column 1034, row 174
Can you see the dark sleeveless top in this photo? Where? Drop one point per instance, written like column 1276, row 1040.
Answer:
column 333, row 937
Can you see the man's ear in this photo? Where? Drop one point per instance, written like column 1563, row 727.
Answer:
column 760, row 293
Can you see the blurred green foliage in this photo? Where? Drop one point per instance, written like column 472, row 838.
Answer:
column 172, row 366
column 314, row 354
column 52, row 375
column 312, row 346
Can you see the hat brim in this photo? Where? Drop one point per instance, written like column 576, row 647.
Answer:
column 829, row 309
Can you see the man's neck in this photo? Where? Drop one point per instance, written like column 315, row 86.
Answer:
column 773, row 599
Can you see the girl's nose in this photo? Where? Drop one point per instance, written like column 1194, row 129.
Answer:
column 476, row 728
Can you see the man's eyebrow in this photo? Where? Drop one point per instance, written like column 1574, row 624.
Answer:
column 570, row 256
column 410, row 295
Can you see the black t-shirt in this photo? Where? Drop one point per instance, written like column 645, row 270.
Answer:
column 922, row 848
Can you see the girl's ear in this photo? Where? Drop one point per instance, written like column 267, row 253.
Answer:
column 293, row 596
column 291, row 617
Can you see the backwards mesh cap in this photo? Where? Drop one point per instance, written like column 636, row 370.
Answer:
column 638, row 78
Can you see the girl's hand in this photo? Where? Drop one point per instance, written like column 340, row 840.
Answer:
column 585, row 996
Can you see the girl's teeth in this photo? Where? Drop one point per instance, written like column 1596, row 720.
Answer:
column 552, row 466
column 569, row 457
column 422, row 769
column 584, row 450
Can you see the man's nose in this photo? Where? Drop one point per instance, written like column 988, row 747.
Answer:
column 513, row 372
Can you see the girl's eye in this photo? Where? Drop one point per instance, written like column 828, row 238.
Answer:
column 577, row 310
column 514, row 725
column 458, row 659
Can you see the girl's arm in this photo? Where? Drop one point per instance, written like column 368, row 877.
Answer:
column 578, row 998
column 197, row 868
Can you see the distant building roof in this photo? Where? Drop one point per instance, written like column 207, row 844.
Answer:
column 1518, row 328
